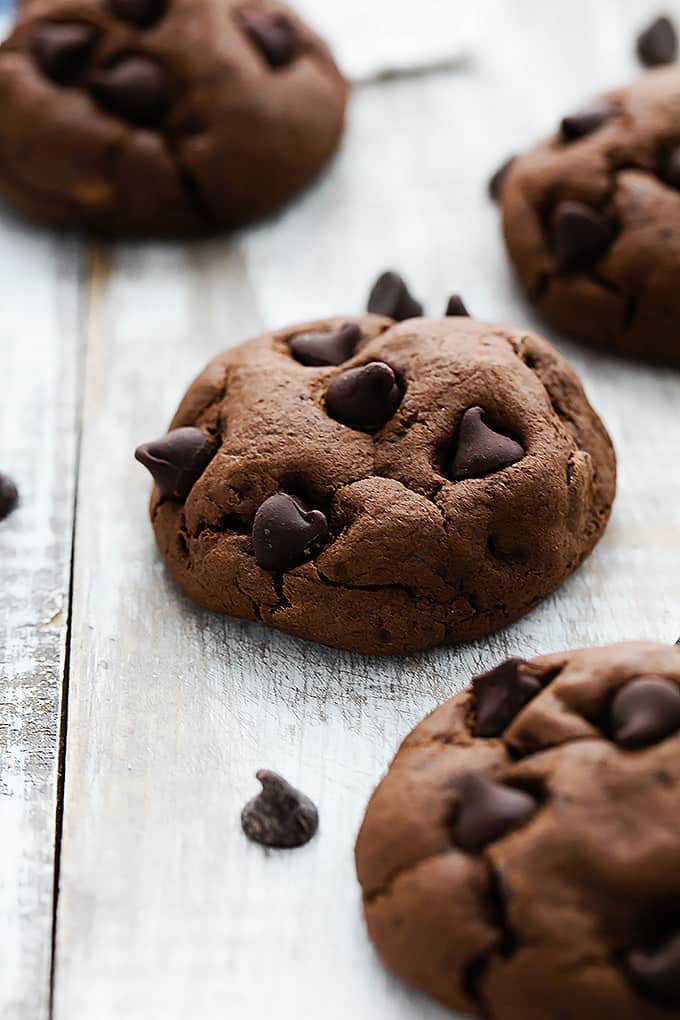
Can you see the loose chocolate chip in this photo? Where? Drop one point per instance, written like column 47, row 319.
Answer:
column 671, row 169
column 326, row 348
column 9, row 496
column 391, row 297
column 176, row 460
column 273, row 34
column 498, row 178
column 61, row 48
column 480, row 450
column 658, row 970
column 364, row 398
column 135, row 88
column 658, row 44
column 645, row 711
column 583, row 122
column 579, row 235
column 139, row 12
column 286, row 532
column 280, row 815
column 487, row 811
column 500, row 695
column 456, row 306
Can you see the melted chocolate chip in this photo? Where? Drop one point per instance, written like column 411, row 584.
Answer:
column 280, row 816
column 139, row 12
column 177, row 460
column 135, row 88
column 657, row 970
column 585, row 121
column 498, row 178
column 61, row 48
column 645, row 711
column 9, row 496
column 487, row 811
column 364, row 398
column 391, row 297
column 671, row 169
column 286, row 532
column 480, row 450
column 330, row 348
column 273, row 34
column 456, row 306
column 579, row 235
column 500, row 695
column 658, row 44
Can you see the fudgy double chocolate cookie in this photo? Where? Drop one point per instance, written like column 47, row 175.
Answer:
column 163, row 116
column 381, row 487
column 592, row 220
column 519, row 861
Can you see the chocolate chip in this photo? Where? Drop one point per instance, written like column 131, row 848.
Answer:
column 273, row 34
column 658, row 44
column 61, row 48
column 330, row 348
column 579, row 235
column 364, row 398
column 583, row 122
column 9, row 496
column 280, row 815
column 487, row 811
column 645, row 711
column 657, row 970
column 135, row 88
column 177, row 460
column 480, row 450
column 671, row 169
column 139, row 12
column 456, row 306
column 286, row 532
column 498, row 178
column 391, row 297
column 500, row 695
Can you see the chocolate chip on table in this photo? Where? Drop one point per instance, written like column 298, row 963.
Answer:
column 286, row 532
column 580, row 235
column 364, row 398
column 658, row 44
column 480, row 450
column 139, row 12
column 9, row 496
column 391, row 297
column 61, row 48
column 280, row 816
column 500, row 695
column 645, row 711
column 135, row 88
column 456, row 306
column 487, row 811
column 657, row 970
column 273, row 34
column 177, row 460
column 330, row 348
column 497, row 178
column 584, row 122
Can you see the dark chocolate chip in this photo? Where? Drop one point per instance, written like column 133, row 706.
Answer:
column 671, row 169
column 585, row 121
column 456, row 306
column 391, row 297
column 657, row 970
column 61, row 48
column 500, row 695
column 645, row 711
column 330, row 348
column 135, row 88
column 580, row 235
column 273, row 34
column 280, row 815
column 364, row 398
column 139, row 12
column 177, row 460
column 486, row 811
column 286, row 532
column 498, row 178
column 658, row 44
column 480, row 450
column 9, row 496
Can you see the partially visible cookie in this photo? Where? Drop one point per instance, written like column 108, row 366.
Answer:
column 591, row 219
column 519, row 861
column 163, row 116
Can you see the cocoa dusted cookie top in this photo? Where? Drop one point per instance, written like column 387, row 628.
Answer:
column 381, row 487
column 591, row 218
column 163, row 116
column 519, row 859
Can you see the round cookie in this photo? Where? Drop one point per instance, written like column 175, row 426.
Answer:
column 379, row 487
column 519, row 861
column 163, row 117
column 591, row 219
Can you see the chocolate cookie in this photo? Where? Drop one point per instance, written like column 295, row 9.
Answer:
column 163, row 117
column 519, row 861
column 592, row 220
column 381, row 487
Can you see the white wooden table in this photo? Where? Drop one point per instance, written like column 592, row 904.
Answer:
column 131, row 723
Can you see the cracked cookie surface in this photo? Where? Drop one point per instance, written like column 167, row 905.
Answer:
column 591, row 219
column 163, row 117
column 381, row 487
column 531, row 873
